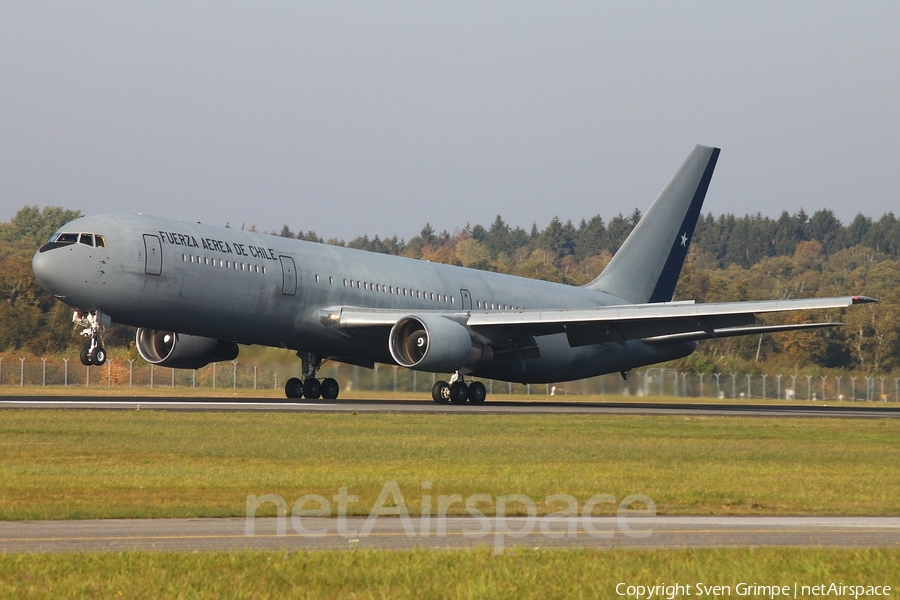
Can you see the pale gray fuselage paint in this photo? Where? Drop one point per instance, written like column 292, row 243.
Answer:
column 279, row 308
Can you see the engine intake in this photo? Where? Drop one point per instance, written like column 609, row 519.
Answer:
column 179, row 351
column 436, row 344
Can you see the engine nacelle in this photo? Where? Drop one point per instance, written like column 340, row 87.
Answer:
column 436, row 344
column 179, row 351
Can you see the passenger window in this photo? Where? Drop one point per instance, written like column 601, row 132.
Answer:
column 87, row 239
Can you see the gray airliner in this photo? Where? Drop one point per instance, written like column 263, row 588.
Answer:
column 195, row 292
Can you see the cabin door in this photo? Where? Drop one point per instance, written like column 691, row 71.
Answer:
column 153, row 255
column 288, row 276
column 466, row 299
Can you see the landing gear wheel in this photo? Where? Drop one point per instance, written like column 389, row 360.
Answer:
column 293, row 388
column 98, row 356
column 459, row 392
column 477, row 392
column 311, row 389
column 85, row 355
column 330, row 389
column 440, row 392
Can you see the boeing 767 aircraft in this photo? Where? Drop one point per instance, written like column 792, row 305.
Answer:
column 195, row 292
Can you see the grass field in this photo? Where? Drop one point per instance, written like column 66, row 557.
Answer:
column 98, row 464
column 435, row 574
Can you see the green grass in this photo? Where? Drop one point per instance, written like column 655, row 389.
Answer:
column 99, row 464
column 430, row 574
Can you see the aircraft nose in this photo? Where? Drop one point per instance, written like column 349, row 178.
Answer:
column 49, row 270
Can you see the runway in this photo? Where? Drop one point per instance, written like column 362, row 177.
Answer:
column 845, row 410
column 452, row 532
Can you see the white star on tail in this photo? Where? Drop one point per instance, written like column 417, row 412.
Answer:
column 684, row 239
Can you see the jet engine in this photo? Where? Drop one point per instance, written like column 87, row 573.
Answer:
column 179, row 351
column 436, row 344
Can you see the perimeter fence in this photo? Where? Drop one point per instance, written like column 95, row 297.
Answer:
column 246, row 375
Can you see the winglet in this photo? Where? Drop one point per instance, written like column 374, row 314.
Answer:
column 647, row 266
column 863, row 299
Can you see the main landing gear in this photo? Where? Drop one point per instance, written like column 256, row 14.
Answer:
column 458, row 392
column 310, row 387
column 92, row 353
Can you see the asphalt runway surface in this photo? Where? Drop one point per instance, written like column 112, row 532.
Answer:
column 396, row 533
column 839, row 409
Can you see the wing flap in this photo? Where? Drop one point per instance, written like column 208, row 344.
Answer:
column 733, row 331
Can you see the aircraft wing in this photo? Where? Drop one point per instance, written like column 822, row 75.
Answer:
column 658, row 323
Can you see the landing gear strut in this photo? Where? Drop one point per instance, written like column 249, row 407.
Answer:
column 92, row 353
column 458, row 392
column 310, row 387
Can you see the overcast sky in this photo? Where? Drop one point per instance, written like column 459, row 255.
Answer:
column 373, row 118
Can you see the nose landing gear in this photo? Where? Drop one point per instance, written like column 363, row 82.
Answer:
column 92, row 353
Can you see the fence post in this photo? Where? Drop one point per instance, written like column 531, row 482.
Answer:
column 44, row 373
column 130, row 371
column 824, row 395
column 214, row 375
column 838, row 396
column 151, row 375
column 853, row 389
column 764, row 377
column 109, row 373
column 779, row 376
column 234, row 375
column 254, row 377
column 66, row 375
column 375, row 378
column 749, row 391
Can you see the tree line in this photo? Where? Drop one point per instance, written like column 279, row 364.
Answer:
column 732, row 258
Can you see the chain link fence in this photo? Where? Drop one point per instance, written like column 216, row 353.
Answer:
column 243, row 375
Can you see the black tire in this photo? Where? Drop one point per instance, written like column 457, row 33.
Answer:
column 459, row 393
column 477, row 392
column 293, row 388
column 440, row 392
column 312, row 389
column 330, row 389
column 85, row 355
column 98, row 356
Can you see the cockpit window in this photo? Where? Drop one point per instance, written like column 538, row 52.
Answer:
column 64, row 239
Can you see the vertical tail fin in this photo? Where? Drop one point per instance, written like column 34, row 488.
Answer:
column 647, row 266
